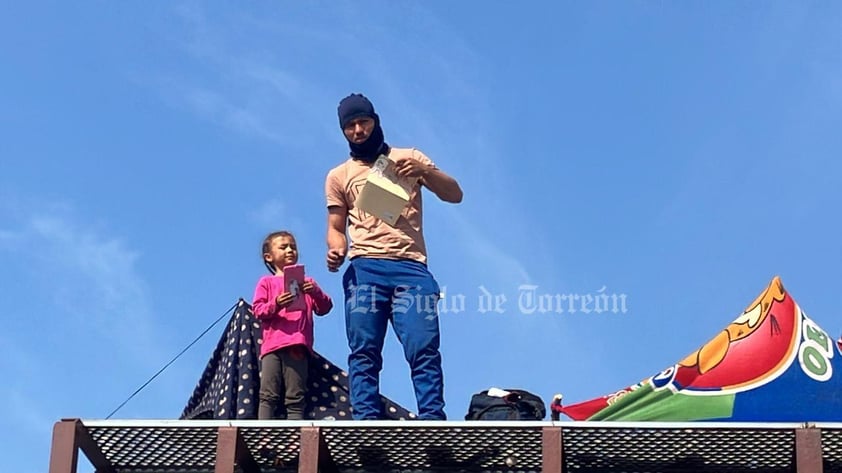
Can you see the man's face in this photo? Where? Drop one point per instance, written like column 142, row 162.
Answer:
column 359, row 129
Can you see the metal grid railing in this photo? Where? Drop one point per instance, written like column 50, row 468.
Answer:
column 677, row 449
column 153, row 449
column 436, row 448
column 274, row 449
column 510, row 447
column 832, row 449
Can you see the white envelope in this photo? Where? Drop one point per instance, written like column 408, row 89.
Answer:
column 384, row 194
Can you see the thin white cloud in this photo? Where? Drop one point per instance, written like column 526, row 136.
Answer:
column 499, row 266
column 276, row 214
column 92, row 278
column 258, row 89
column 248, row 89
column 218, row 109
column 456, row 136
column 83, row 285
column 24, row 414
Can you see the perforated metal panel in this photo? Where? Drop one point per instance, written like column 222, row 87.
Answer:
column 511, row 447
column 436, row 448
column 832, row 450
column 158, row 449
column 274, row 449
column 677, row 449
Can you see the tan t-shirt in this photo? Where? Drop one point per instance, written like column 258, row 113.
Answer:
column 370, row 236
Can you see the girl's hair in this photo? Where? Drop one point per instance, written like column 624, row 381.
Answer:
column 268, row 241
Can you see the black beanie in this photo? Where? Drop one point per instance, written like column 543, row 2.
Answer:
column 355, row 106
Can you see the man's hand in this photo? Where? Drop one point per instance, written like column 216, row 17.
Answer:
column 410, row 168
column 335, row 258
column 337, row 243
column 445, row 187
column 308, row 287
column 283, row 300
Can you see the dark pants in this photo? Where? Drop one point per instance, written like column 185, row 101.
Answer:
column 283, row 375
column 378, row 291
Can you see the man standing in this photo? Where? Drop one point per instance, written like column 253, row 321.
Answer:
column 388, row 265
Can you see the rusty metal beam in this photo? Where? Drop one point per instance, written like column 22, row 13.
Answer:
column 70, row 435
column 91, row 450
column 314, row 456
column 64, row 454
column 231, row 450
column 244, row 456
column 551, row 450
column 808, row 450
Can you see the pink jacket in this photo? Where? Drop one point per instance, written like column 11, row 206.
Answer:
column 282, row 328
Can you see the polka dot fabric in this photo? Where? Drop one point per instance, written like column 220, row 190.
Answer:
column 229, row 385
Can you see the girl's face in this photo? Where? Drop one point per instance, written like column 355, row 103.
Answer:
column 282, row 252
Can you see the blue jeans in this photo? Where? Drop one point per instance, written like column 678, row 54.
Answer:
column 404, row 292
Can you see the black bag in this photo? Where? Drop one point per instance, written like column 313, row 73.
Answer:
column 518, row 405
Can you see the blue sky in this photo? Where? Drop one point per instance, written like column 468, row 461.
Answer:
column 678, row 153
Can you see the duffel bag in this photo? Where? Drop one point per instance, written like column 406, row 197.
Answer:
column 508, row 404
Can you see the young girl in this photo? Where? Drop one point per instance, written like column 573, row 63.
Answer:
column 287, row 334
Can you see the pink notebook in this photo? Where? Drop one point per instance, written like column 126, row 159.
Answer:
column 293, row 283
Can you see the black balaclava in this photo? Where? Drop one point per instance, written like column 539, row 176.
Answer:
column 355, row 106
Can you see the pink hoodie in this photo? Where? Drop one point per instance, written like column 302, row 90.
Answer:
column 282, row 328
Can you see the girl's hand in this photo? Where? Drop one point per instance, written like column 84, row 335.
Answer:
column 283, row 300
column 308, row 287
